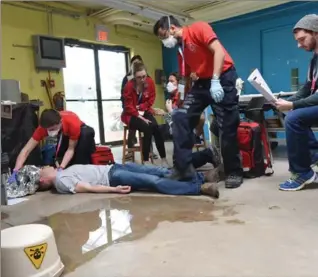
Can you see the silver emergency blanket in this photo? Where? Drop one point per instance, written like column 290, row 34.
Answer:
column 28, row 178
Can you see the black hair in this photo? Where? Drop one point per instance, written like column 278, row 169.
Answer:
column 176, row 75
column 49, row 118
column 136, row 57
column 163, row 23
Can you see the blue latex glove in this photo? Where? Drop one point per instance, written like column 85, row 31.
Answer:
column 216, row 90
column 13, row 177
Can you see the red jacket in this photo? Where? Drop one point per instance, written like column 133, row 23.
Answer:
column 131, row 99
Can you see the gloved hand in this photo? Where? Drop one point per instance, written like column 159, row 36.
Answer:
column 13, row 177
column 216, row 90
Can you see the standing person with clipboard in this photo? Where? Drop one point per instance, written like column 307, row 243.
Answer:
column 201, row 52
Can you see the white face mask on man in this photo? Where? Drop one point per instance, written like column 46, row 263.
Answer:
column 170, row 42
column 53, row 133
column 171, row 87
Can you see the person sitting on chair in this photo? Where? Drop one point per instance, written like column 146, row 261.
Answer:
column 139, row 97
column 174, row 102
column 303, row 112
column 132, row 139
column 75, row 140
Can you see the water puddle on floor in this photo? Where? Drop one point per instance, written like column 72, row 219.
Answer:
column 84, row 231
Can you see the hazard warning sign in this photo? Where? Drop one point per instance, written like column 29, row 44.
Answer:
column 36, row 254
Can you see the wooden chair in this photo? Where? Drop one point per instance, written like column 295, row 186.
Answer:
column 136, row 148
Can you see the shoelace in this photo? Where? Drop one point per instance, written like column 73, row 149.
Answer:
column 233, row 177
column 293, row 178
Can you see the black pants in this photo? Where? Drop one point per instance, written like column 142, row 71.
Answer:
column 84, row 149
column 202, row 157
column 149, row 130
column 227, row 118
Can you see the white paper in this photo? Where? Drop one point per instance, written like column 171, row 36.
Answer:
column 14, row 201
column 260, row 85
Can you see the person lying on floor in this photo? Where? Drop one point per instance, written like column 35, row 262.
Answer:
column 125, row 178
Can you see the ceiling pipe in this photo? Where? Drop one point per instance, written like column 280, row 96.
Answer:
column 147, row 12
column 127, row 17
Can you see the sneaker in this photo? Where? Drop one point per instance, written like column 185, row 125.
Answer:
column 210, row 189
column 298, row 181
column 233, row 181
column 314, row 165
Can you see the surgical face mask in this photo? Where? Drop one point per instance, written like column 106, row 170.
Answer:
column 53, row 133
column 170, row 42
column 171, row 87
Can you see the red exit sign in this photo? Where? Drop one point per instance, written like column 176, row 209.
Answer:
column 101, row 33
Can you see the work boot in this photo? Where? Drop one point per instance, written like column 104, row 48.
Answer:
column 214, row 175
column 187, row 174
column 210, row 189
column 233, row 181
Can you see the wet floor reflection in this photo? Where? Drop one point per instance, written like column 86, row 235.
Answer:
column 84, row 231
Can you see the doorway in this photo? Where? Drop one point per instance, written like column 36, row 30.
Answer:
column 92, row 81
column 284, row 66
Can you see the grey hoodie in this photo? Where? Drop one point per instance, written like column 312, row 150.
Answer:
column 307, row 96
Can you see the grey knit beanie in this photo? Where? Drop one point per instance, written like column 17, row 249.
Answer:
column 308, row 22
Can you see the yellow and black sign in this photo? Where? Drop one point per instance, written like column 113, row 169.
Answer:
column 36, row 254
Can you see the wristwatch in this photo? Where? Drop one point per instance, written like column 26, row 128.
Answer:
column 215, row 77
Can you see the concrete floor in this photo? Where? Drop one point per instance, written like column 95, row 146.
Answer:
column 255, row 230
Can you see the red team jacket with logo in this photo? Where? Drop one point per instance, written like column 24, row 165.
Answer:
column 131, row 99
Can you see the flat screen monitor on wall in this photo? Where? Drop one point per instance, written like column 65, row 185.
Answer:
column 49, row 52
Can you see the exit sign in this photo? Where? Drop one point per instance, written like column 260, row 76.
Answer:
column 101, row 33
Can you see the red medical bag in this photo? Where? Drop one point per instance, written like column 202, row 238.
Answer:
column 102, row 156
column 251, row 139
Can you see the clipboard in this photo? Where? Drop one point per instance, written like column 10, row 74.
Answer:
column 258, row 82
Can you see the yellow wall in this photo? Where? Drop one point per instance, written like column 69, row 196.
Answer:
column 19, row 24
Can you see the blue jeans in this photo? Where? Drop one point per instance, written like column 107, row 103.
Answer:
column 300, row 138
column 148, row 177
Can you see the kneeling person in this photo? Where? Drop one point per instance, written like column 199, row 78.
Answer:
column 120, row 178
column 75, row 143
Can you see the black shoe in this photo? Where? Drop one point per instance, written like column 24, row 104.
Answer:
column 187, row 174
column 233, row 181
